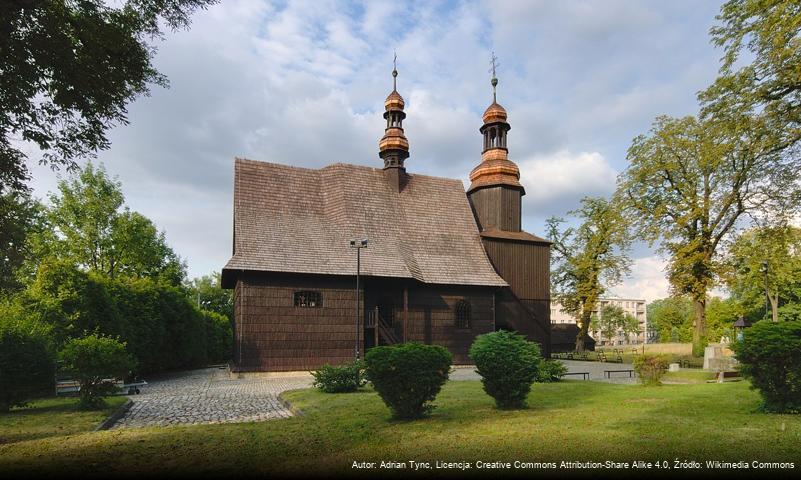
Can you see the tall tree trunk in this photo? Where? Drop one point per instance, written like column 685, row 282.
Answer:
column 774, row 306
column 585, row 326
column 699, row 330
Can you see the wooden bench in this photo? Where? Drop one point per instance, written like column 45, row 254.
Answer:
column 584, row 375
column 608, row 373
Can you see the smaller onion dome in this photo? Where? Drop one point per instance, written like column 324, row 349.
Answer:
column 394, row 101
column 495, row 113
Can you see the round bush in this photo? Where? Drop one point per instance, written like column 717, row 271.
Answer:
column 650, row 368
column 26, row 361
column 770, row 356
column 551, row 371
column 508, row 365
column 408, row 376
column 95, row 361
column 339, row 379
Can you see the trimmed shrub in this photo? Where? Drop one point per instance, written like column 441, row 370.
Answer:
column 408, row 376
column 508, row 365
column 162, row 328
column 551, row 371
column 219, row 337
column 770, row 356
column 339, row 379
column 95, row 361
column 650, row 367
column 26, row 360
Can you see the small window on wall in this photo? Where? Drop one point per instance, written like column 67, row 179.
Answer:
column 308, row 299
column 461, row 314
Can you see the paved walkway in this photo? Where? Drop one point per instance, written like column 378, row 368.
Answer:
column 211, row 395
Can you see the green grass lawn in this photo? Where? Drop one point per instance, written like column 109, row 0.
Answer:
column 572, row 420
column 51, row 417
column 689, row 376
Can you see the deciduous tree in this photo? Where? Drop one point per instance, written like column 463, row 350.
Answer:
column 68, row 70
column 777, row 248
column 588, row 258
column 690, row 182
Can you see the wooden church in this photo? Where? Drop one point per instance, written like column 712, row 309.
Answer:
column 440, row 265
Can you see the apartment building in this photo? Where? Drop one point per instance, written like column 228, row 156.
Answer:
column 633, row 306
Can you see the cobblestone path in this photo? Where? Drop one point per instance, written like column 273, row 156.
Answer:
column 211, row 396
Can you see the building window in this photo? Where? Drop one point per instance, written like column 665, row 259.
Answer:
column 308, row 299
column 461, row 314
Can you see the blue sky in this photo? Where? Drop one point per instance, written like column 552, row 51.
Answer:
column 303, row 83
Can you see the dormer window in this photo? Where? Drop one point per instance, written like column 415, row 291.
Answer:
column 308, row 299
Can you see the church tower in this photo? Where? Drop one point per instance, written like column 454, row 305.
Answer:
column 520, row 258
column 495, row 191
column 394, row 147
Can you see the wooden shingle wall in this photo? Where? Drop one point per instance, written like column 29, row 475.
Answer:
column 275, row 335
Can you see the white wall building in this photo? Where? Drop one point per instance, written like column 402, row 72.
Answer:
column 633, row 306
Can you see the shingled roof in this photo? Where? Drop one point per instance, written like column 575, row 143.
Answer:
column 301, row 220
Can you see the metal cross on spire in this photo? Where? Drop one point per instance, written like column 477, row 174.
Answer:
column 495, row 64
column 395, row 70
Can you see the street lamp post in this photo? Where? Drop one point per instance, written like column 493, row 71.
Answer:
column 358, row 245
column 767, row 295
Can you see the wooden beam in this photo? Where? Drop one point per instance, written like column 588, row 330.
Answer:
column 405, row 312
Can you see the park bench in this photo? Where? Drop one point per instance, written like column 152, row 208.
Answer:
column 68, row 386
column 608, row 373
column 602, row 357
column 584, row 375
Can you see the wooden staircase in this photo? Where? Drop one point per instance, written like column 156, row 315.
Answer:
column 382, row 330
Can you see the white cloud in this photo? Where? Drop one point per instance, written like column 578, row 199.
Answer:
column 562, row 176
column 303, row 83
column 647, row 280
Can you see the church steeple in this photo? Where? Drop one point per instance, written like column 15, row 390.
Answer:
column 495, row 191
column 495, row 167
column 393, row 147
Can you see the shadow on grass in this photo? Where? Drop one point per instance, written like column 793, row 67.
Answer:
column 51, row 417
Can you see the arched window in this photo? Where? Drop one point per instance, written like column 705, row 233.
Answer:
column 461, row 314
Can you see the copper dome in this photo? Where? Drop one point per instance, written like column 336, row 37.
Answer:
column 394, row 101
column 495, row 113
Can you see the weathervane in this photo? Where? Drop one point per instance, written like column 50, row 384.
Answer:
column 495, row 64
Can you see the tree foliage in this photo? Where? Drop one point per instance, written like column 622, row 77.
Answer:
column 68, row 70
column 27, row 357
column 208, row 293
column 745, row 274
column 96, row 361
column 612, row 319
column 769, row 33
column 91, row 226
column 162, row 328
column 688, row 184
column 669, row 315
column 20, row 217
column 587, row 259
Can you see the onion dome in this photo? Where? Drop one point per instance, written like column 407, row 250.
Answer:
column 394, row 101
column 494, row 113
